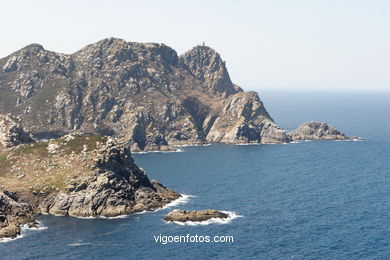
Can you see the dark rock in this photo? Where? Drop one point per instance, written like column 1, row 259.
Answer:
column 13, row 214
column 196, row 216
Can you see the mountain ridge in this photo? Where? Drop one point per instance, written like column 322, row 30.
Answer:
column 145, row 94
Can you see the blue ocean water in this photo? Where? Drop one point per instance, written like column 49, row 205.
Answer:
column 310, row 200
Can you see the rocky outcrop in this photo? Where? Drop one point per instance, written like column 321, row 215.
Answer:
column 142, row 93
column 13, row 214
column 11, row 132
column 115, row 186
column 316, row 130
column 244, row 119
column 195, row 216
column 81, row 176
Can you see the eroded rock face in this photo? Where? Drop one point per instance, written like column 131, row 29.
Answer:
column 11, row 132
column 13, row 214
column 316, row 130
column 115, row 186
column 244, row 119
column 142, row 93
column 195, row 216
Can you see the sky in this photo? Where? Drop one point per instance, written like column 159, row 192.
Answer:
column 267, row 45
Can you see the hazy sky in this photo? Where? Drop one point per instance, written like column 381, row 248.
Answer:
column 274, row 44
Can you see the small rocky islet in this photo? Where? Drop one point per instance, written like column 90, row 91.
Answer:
column 96, row 106
column 194, row 216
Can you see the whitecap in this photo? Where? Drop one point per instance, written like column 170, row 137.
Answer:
column 231, row 215
column 79, row 244
column 351, row 140
column 189, row 145
column 184, row 199
column 248, row 144
column 172, row 151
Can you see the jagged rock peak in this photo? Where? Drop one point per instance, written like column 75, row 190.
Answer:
column 33, row 47
column 205, row 64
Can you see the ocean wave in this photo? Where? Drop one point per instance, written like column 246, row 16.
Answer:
column 173, row 151
column 184, row 199
column 189, row 145
column 232, row 215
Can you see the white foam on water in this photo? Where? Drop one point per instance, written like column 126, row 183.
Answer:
column 351, row 140
column 189, row 145
column 101, row 217
column 175, row 151
column 23, row 229
column 232, row 215
column 184, row 199
column 179, row 201
column 249, row 144
column 79, row 244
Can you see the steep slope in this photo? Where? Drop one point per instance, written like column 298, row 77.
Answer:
column 142, row 93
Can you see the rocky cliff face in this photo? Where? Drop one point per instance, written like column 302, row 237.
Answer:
column 12, row 133
column 143, row 93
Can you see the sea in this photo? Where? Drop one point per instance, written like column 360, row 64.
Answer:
column 307, row 200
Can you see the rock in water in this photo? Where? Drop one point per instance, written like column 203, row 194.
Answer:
column 13, row 214
column 316, row 130
column 196, row 216
column 11, row 132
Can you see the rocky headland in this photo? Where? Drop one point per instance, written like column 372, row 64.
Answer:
column 144, row 94
column 81, row 176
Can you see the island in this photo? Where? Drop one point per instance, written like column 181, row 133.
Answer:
column 69, row 123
